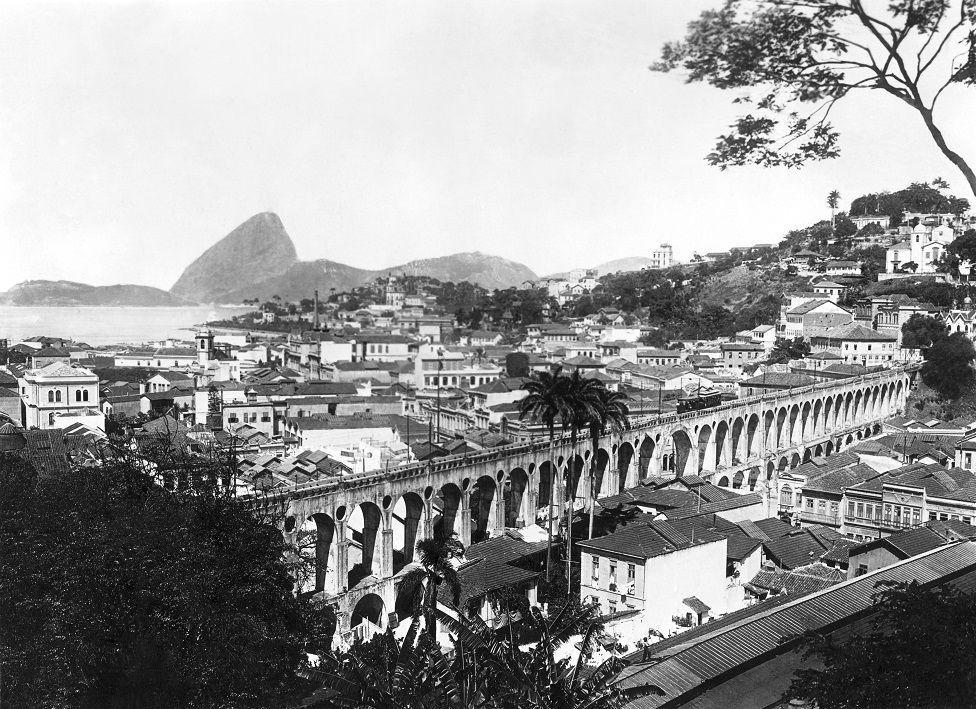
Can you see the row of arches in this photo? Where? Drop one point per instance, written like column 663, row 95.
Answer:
column 376, row 539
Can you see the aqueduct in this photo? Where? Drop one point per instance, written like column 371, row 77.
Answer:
column 365, row 526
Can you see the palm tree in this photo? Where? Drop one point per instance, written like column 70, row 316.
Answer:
column 584, row 398
column 547, row 400
column 422, row 583
column 533, row 678
column 611, row 414
column 833, row 199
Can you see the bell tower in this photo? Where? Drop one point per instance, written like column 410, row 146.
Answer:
column 205, row 344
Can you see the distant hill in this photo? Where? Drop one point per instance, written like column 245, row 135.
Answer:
column 258, row 260
column 260, row 248
column 71, row 293
column 304, row 277
column 473, row 266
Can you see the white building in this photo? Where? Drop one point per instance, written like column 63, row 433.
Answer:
column 923, row 247
column 657, row 571
column 857, row 344
column 661, row 257
column 58, row 389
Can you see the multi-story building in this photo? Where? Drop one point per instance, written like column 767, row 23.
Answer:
column 445, row 368
column 668, row 577
column 661, row 257
column 856, row 344
column 56, row 390
column 906, row 497
column 923, row 247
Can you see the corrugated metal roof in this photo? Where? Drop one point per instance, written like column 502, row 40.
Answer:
column 732, row 646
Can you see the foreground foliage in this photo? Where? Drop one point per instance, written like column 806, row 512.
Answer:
column 487, row 669
column 117, row 593
column 920, row 651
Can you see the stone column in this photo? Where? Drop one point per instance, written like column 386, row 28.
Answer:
column 465, row 512
column 496, row 519
column 386, row 563
column 342, row 555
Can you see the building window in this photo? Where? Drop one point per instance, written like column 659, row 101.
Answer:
column 631, row 573
column 861, row 569
column 57, row 397
column 596, row 568
column 50, row 397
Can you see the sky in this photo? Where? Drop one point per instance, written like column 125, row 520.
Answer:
column 133, row 135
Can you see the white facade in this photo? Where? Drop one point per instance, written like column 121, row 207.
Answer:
column 57, row 389
column 656, row 586
column 923, row 247
column 661, row 257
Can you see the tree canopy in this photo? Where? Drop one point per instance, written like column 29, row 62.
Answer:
column 919, row 651
column 791, row 61
column 786, row 349
column 117, row 593
column 922, row 331
column 948, row 366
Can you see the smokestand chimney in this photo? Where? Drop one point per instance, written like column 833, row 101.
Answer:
column 315, row 316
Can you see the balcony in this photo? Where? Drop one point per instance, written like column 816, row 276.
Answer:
column 884, row 523
column 820, row 518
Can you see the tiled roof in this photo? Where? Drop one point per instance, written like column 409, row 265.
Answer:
column 646, row 541
column 740, row 546
column 799, row 581
column 779, row 379
column 807, row 306
column 856, row 332
column 799, row 548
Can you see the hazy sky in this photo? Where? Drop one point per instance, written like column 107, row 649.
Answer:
column 134, row 135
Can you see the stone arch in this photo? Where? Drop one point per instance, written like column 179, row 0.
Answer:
column 769, row 427
column 884, row 399
column 784, row 464
column 625, row 457
column 817, row 426
column 447, row 502
column 828, row 410
column 793, row 434
column 365, row 552
column 782, row 432
column 722, row 444
column 899, row 387
column 850, row 439
column 546, row 480
column 806, row 425
column 683, row 453
column 600, row 477
column 875, row 398
column 704, row 439
column 409, row 518
column 808, row 455
column 370, row 607
column 829, row 448
column 818, row 451
column 483, row 501
column 876, row 429
column 795, row 461
column 739, row 451
column 723, row 481
column 838, row 405
column 751, row 431
column 321, row 528
column 737, row 480
column 856, row 413
column 646, row 458
column 516, row 501
column 574, row 471
column 847, row 413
